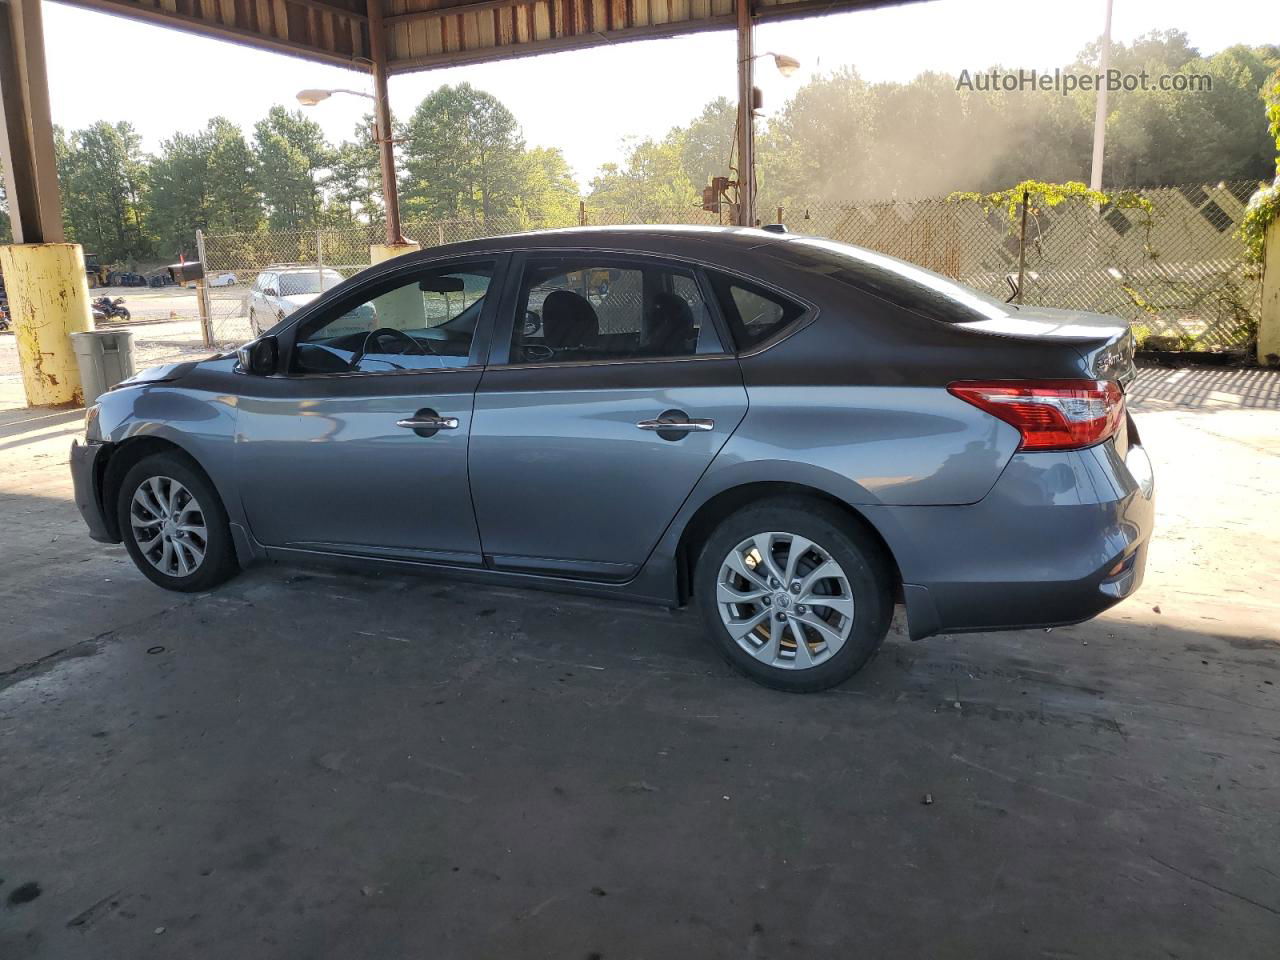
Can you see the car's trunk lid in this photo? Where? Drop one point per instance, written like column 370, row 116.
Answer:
column 1105, row 342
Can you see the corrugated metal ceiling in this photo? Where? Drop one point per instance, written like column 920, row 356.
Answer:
column 422, row 34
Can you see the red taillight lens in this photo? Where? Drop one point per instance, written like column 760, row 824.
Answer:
column 1050, row 414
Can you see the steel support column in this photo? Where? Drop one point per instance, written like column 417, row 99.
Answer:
column 382, row 120
column 746, row 116
column 26, row 128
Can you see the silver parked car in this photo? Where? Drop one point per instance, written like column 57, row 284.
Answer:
column 790, row 433
column 283, row 288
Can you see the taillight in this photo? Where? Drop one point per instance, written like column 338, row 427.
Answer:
column 1050, row 414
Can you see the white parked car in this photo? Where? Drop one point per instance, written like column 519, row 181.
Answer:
column 280, row 290
column 223, row 280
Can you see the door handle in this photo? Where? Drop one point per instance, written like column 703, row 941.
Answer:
column 428, row 423
column 688, row 425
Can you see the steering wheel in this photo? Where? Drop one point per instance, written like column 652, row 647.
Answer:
column 374, row 336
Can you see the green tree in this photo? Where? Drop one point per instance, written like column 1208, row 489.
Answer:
column 101, row 173
column 650, row 186
column 548, row 194
column 1159, row 136
column 290, row 158
column 707, row 142
column 203, row 180
column 462, row 156
column 354, row 184
column 6, row 228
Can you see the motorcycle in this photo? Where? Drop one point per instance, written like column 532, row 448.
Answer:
column 104, row 308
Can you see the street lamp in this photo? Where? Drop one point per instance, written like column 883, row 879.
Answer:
column 386, row 149
column 309, row 98
column 786, row 65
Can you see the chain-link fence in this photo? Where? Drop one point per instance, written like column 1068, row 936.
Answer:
column 1172, row 267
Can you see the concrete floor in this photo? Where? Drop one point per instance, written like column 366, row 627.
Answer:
column 307, row 764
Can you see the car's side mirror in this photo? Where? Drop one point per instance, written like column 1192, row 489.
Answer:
column 260, row 357
column 271, row 292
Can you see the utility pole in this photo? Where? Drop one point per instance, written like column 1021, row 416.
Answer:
column 746, row 117
column 382, row 122
column 1100, row 113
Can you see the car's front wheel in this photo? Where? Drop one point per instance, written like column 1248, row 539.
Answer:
column 794, row 594
column 174, row 525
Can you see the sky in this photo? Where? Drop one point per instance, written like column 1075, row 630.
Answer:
column 587, row 102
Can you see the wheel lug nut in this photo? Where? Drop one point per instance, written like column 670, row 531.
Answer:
column 780, row 616
column 768, row 601
column 801, row 608
column 795, row 586
column 773, row 582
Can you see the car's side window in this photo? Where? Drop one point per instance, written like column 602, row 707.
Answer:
column 427, row 322
column 754, row 313
column 588, row 308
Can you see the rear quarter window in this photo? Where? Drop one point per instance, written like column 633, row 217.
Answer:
column 754, row 313
column 895, row 281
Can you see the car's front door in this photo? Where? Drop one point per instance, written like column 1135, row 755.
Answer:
column 607, row 395
column 361, row 446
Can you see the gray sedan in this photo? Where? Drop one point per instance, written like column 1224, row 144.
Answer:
column 791, row 434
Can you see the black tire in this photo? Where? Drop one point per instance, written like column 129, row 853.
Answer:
column 253, row 323
column 122, row 313
column 859, row 555
column 219, row 563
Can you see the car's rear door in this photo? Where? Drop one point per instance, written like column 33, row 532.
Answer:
column 361, row 447
column 607, row 395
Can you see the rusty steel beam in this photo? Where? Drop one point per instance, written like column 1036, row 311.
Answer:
column 26, row 127
column 746, row 114
column 582, row 41
column 474, row 6
column 332, row 8
column 382, row 118
column 357, row 60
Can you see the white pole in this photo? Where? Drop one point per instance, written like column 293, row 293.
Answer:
column 1100, row 113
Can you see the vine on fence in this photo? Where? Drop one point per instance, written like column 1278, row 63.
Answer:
column 1042, row 194
column 1264, row 206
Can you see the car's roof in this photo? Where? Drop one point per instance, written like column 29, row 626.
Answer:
column 637, row 238
column 293, row 268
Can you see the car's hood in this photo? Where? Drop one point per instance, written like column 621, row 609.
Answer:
column 165, row 371
column 296, row 300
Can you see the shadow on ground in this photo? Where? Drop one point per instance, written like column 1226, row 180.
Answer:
column 310, row 764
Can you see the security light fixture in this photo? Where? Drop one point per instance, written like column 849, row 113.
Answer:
column 786, row 65
column 309, row 98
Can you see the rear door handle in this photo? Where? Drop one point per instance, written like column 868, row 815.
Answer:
column 428, row 423
column 688, row 425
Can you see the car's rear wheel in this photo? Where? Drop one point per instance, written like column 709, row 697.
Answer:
column 174, row 525
column 794, row 594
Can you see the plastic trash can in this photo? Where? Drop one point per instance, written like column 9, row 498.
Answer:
column 105, row 357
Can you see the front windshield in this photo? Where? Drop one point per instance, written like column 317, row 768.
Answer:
column 308, row 281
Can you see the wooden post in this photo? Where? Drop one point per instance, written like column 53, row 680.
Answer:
column 1022, row 247
column 1269, row 320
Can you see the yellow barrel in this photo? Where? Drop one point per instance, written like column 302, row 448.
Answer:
column 48, row 301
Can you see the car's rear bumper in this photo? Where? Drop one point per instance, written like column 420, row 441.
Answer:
column 86, row 477
column 1060, row 538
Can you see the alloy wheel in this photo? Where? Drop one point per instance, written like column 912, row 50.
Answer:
column 169, row 526
column 785, row 600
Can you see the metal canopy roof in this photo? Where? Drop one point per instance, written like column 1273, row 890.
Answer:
column 421, row 34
